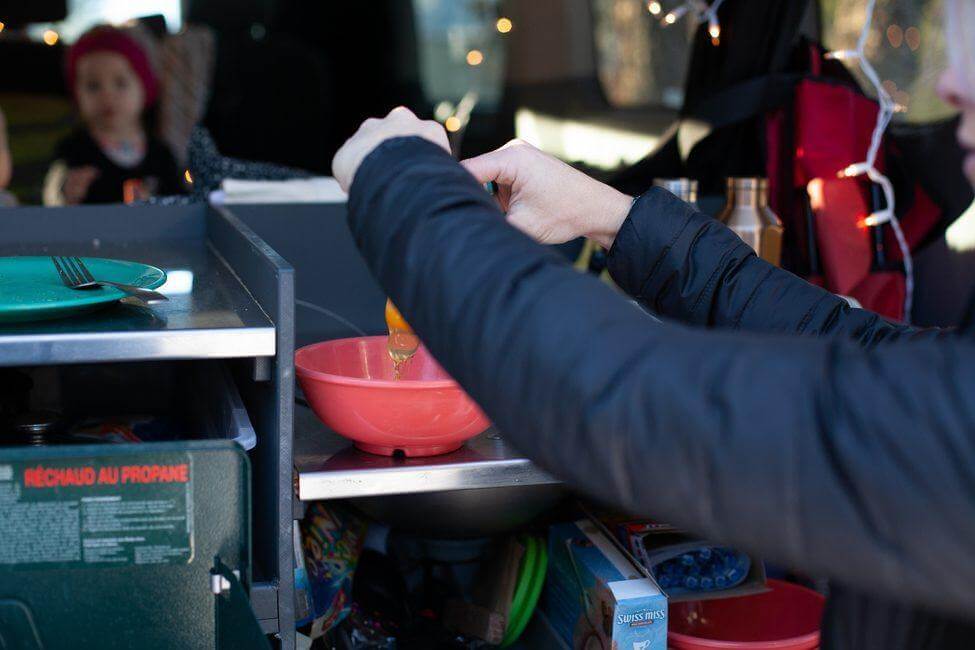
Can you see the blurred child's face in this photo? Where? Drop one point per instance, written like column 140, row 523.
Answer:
column 110, row 94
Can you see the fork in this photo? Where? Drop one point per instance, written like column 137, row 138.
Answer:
column 75, row 275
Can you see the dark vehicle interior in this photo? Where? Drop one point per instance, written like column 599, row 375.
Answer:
column 603, row 84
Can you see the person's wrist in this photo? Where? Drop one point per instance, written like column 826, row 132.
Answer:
column 613, row 212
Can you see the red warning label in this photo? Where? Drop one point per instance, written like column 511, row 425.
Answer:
column 41, row 476
column 95, row 511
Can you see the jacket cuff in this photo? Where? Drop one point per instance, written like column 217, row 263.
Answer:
column 646, row 240
column 674, row 258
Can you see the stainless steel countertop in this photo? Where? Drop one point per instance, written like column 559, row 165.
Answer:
column 209, row 314
column 329, row 467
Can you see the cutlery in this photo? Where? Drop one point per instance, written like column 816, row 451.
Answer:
column 75, row 275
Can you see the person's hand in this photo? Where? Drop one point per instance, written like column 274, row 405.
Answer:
column 399, row 122
column 77, row 182
column 549, row 200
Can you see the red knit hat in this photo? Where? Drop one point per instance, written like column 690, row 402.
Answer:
column 111, row 39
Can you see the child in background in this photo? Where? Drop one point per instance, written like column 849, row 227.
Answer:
column 112, row 157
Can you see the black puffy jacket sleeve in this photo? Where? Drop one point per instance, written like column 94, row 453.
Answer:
column 687, row 266
column 851, row 463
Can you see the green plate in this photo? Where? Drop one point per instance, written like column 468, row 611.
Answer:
column 31, row 289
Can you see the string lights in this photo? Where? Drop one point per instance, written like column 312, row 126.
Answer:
column 708, row 12
column 456, row 118
column 868, row 168
column 705, row 13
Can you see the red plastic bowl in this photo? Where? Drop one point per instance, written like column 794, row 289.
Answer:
column 786, row 616
column 349, row 384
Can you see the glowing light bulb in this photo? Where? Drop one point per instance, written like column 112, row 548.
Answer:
column 876, row 219
column 188, row 177
column 850, row 171
column 676, row 15
column 654, row 7
column 714, row 29
column 50, row 36
column 842, row 55
column 2, row 26
column 475, row 57
column 452, row 124
column 503, row 25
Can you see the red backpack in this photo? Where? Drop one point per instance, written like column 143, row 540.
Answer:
column 827, row 127
column 810, row 127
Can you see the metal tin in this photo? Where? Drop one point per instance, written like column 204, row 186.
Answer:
column 684, row 189
column 748, row 214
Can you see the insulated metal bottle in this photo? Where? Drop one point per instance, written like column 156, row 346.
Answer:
column 747, row 212
column 684, row 189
